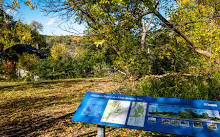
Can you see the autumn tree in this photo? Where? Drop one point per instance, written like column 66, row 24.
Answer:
column 112, row 23
column 186, row 8
column 38, row 39
column 198, row 20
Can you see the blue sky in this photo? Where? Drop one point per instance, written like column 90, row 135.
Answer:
column 50, row 22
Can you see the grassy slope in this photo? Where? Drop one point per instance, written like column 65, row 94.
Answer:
column 46, row 108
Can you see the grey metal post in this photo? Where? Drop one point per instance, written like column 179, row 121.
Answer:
column 100, row 131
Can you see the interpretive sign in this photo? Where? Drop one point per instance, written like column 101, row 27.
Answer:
column 158, row 114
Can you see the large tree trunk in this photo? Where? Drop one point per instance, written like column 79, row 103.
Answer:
column 188, row 40
column 145, row 30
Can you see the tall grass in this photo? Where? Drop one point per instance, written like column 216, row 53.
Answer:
column 179, row 86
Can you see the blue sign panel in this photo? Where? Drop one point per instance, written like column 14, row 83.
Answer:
column 168, row 115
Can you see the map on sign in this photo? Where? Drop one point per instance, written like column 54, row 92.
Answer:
column 116, row 112
column 137, row 114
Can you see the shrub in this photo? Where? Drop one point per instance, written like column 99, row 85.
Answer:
column 27, row 61
column 179, row 86
column 65, row 68
column 1, row 67
column 58, row 51
column 8, row 69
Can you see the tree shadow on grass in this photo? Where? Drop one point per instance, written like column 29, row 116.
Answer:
column 20, row 117
column 31, row 125
column 47, row 84
column 25, row 104
column 36, row 112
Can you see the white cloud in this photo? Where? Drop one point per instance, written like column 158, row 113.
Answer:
column 50, row 22
column 168, row 18
column 11, row 11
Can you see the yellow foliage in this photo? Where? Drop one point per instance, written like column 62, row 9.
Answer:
column 77, row 40
column 100, row 42
column 27, row 61
column 194, row 20
column 57, row 51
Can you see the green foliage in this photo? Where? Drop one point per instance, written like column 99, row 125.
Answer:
column 132, row 59
column 179, row 86
column 167, row 55
column 70, row 42
column 196, row 18
column 114, row 28
column 1, row 67
column 35, row 26
column 16, row 32
column 37, row 38
column 58, row 51
column 65, row 68
column 27, row 61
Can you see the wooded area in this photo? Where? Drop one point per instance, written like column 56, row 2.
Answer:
column 139, row 40
column 134, row 39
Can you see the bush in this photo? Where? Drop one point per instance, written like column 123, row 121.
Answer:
column 178, row 86
column 8, row 69
column 65, row 68
column 27, row 61
column 1, row 67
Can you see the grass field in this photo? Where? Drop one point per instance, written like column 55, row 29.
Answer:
column 45, row 108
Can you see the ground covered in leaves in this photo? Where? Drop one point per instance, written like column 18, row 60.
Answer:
column 45, row 108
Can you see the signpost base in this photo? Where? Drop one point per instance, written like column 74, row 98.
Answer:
column 100, row 131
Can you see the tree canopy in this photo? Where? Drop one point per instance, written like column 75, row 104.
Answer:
column 141, row 36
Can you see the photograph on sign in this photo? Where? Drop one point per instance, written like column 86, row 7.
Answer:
column 116, row 112
column 175, row 122
column 212, row 126
column 137, row 114
column 197, row 125
column 165, row 121
column 152, row 119
column 184, row 113
column 184, row 123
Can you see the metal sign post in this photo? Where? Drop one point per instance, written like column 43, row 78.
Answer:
column 100, row 131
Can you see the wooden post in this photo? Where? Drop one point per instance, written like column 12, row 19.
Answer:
column 100, row 131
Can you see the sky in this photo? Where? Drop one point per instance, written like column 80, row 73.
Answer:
column 50, row 22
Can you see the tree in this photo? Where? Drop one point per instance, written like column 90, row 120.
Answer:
column 27, row 61
column 197, row 19
column 15, row 32
column 205, row 115
column 197, row 3
column 35, row 26
column 120, row 22
column 114, row 22
column 58, row 51
column 38, row 39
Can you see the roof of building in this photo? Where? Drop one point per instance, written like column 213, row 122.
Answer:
column 19, row 49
